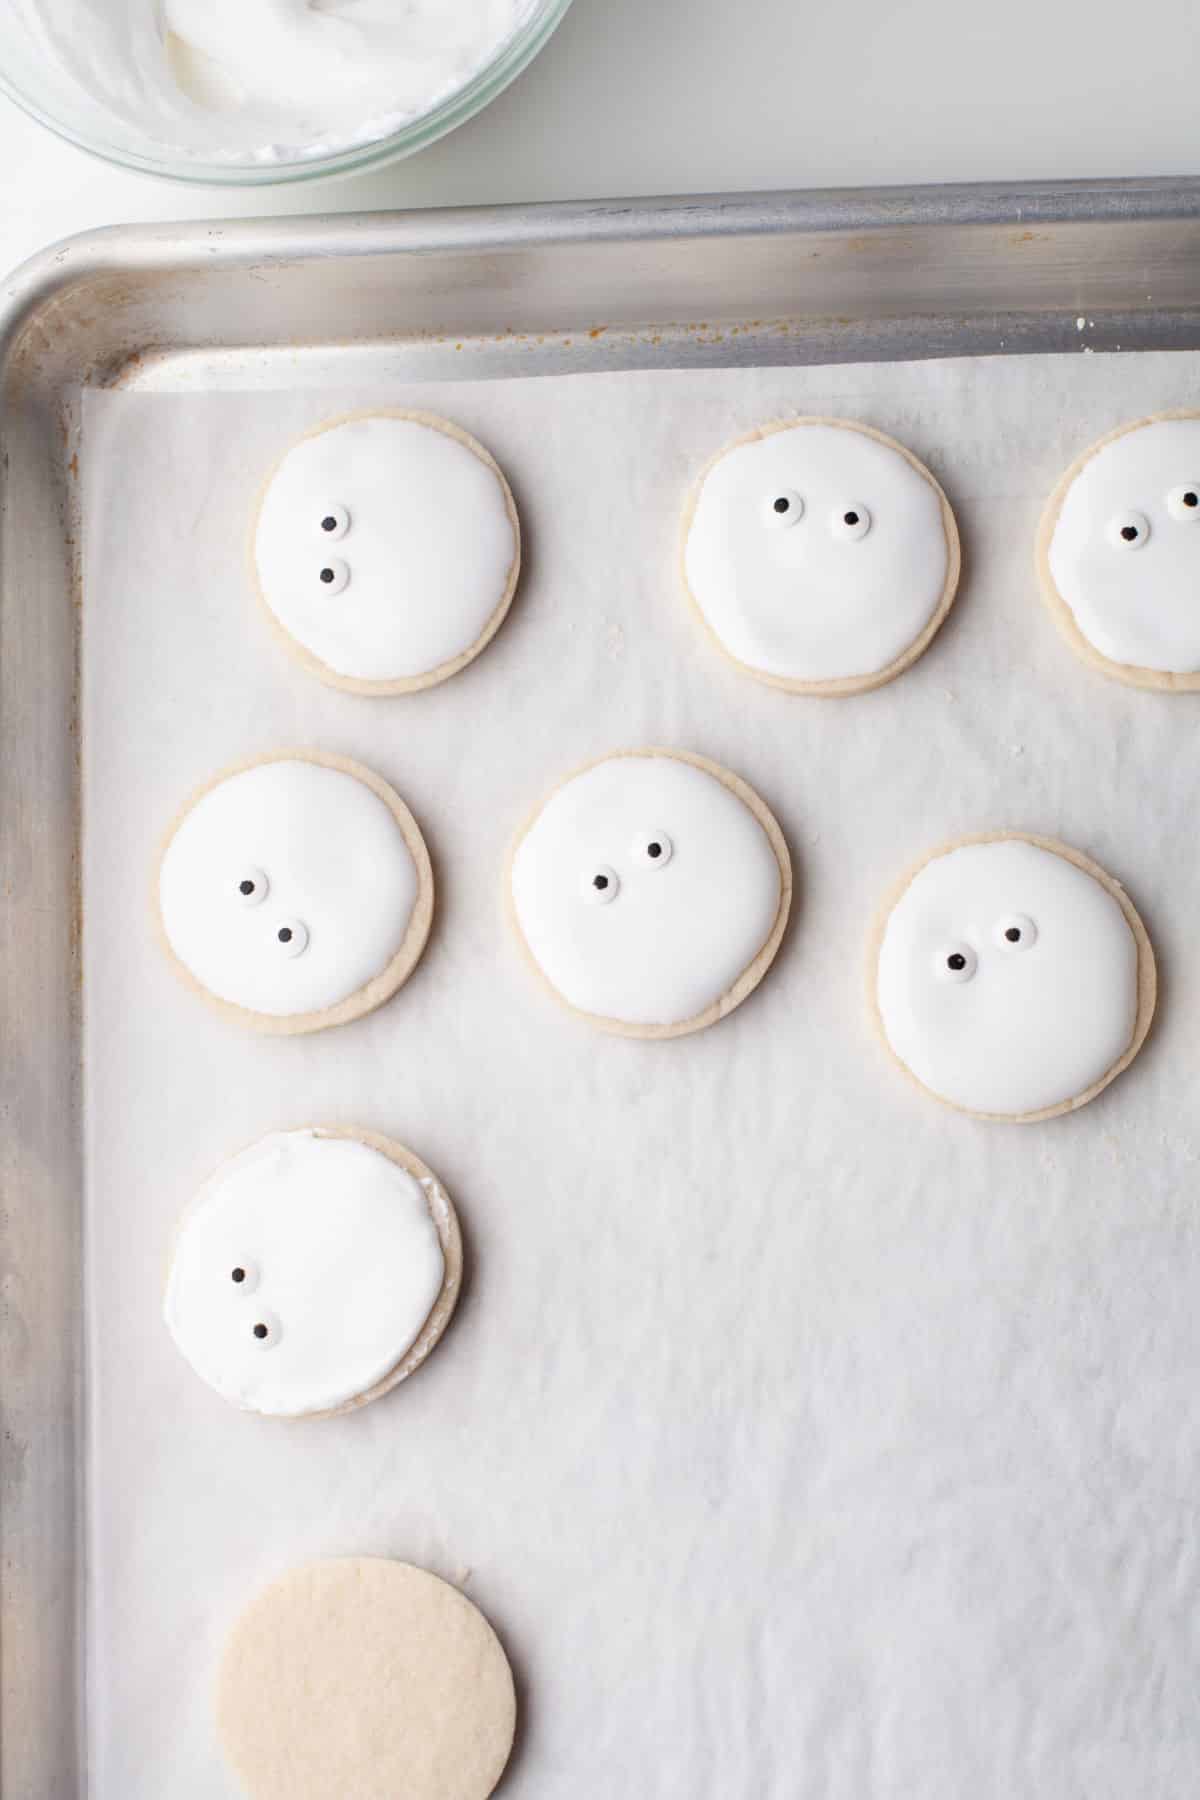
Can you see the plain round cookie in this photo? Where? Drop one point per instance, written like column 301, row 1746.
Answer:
column 228, row 1313
column 947, row 936
column 750, row 533
column 363, row 1679
column 273, row 809
column 625, row 832
column 357, row 507
column 1088, row 563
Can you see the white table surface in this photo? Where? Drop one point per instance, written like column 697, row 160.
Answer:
column 677, row 96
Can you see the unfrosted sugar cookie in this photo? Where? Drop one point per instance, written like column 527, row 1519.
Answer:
column 1119, row 553
column 295, row 892
column 651, row 890
column 387, row 551
column 365, row 1679
column 821, row 555
column 314, row 1272
column 1012, row 977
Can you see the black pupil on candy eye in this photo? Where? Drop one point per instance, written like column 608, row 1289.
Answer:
column 285, row 934
column 852, row 518
column 245, row 887
column 956, row 962
column 1190, row 499
column 654, row 851
column 260, row 1331
column 329, row 523
column 600, row 882
column 783, row 504
column 327, row 576
column 1129, row 532
column 237, row 1275
column 1013, row 934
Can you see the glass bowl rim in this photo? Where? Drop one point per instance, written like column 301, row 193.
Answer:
column 513, row 56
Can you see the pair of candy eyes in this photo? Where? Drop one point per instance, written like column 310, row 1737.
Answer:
column 653, row 850
column 1130, row 530
column 334, row 573
column 291, row 935
column 959, row 962
column 847, row 523
column 265, row 1330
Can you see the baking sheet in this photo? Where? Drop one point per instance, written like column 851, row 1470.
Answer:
column 799, row 1436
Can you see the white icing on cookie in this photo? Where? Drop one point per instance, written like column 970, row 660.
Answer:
column 630, row 936
column 818, row 552
column 386, row 546
column 304, row 1270
column 1124, row 554
column 1007, row 979
column 332, row 882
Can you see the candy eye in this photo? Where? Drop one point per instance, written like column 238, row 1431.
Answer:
column 957, row 962
column 1128, row 531
column 264, row 1330
column 243, row 1276
column 335, row 522
column 849, row 523
column 1016, row 932
column 652, row 850
column 784, row 507
column 600, row 885
column 1183, row 503
column 251, row 887
column 291, row 935
column 333, row 575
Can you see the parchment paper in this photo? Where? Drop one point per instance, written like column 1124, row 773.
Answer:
column 799, row 1436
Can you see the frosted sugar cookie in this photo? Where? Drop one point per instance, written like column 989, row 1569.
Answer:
column 387, row 550
column 1011, row 977
column 821, row 555
column 295, row 892
column 366, row 1678
column 314, row 1272
column 1119, row 553
column 651, row 890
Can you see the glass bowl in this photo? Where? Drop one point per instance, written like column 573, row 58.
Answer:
column 29, row 78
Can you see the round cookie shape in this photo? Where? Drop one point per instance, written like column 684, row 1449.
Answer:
column 821, row 555
column 295, row 892
column 1118, row 558
column 313, row 1272
column 651, row 890
column 365, row 1677
column 387, row 550
column 1011, row 977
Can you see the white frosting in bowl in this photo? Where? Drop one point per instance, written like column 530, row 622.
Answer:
column 257, row 80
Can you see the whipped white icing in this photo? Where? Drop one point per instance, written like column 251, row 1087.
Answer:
column 261, row 80
column 304, row 1271
column 1007, row 978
